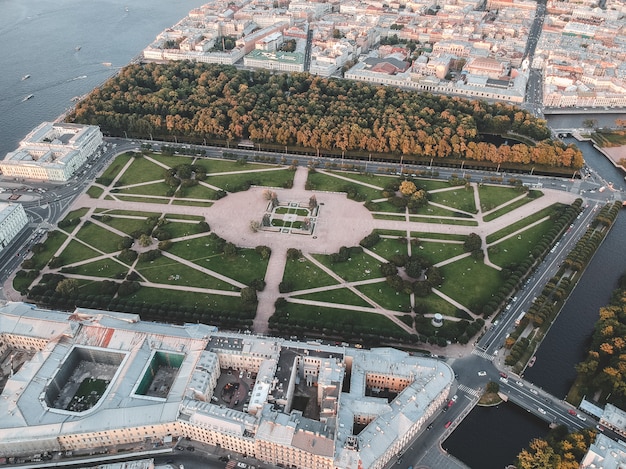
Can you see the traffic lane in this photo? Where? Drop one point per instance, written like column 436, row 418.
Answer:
column 546, row 405
column 495, row 336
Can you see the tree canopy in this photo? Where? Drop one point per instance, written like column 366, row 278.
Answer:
column 196, row 101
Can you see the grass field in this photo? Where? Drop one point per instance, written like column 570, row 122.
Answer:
column 167, row 271
column 76, row 252
column 51, row 245
column 432, row 304
column 512, row 228
column 436, row 252
column 213, row 166
column 99, row 238
column 325, row 182
column 340, row 296
column 159, row 189
column 386, row 296
column 469, row 282
column 303, row 274
column 141, row 170
column 188, row 299
column 457, row 198
column 116, row 166
column 494, row 196
column 246, row 266
column 230, row 182
column 507, row 208
column 360, row 266
column 342, row 319
column 517, row 248
column 105, row 268
column 126, row 225
column 94, row 192
column 388, row 247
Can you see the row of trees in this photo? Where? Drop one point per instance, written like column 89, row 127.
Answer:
column 199, row 101
column 546, row 306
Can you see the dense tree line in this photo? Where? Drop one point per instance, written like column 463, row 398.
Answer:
column 558, row 450
column 198, row 101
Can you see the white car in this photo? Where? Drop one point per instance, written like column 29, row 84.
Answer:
column 482, row 373
column 519, row 383
column 541, row 411
column 581, row 417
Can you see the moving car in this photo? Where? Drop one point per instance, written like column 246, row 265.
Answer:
column 581, row 417
column 541, row 411
column 571, row 412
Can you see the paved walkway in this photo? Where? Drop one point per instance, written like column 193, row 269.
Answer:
column 341, row 222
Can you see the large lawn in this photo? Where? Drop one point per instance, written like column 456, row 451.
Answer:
column 326, row 182
column 246, row 266
column 512, row 228
column 303, row 274
column 457, row 198
column 126, row 225
column 228, row 166
column 340, row 296
column 432, row 304
column 389, row 247
column 342, row 319
column 155, row 296
column 385, row 296
column 507, row 208
column 116, row 166
column 106, row 268
column 470, row 282
column 99, row 238
column 76, row 252
column 436, row 252
column 141, row 170
column 494, row 196
column 167, row 271
column 234, row 182
column 159, row 189
column 360, row 266
column 517, row 248
column 51, row 245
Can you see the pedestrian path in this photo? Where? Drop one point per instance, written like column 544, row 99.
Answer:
column 470, row 391
column 482, row 354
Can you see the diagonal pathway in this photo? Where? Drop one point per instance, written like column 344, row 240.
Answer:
column 267, row 298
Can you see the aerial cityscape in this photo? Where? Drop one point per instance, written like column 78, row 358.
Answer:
column 320, row 235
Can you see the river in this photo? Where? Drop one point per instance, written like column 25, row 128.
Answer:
column 66, row 48
column 507, row 429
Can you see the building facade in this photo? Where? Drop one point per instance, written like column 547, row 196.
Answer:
column 52, row 152
column 161, row 383
column 12, row 220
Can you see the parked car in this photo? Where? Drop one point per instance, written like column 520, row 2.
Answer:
column 482, row 373
column 448, row 423
column 581, row 417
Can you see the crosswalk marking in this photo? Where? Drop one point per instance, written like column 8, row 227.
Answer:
column 468, row 390
column 482, row 354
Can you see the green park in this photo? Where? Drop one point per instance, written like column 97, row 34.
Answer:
column 276, row 247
